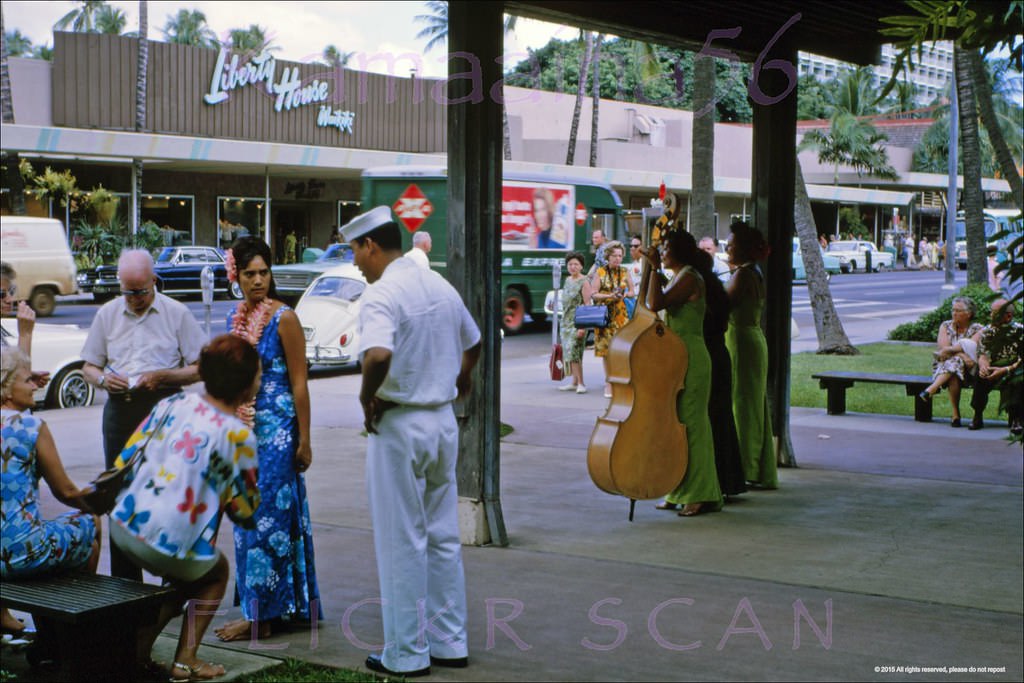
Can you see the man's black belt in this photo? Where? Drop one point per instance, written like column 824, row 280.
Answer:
column 141, row 395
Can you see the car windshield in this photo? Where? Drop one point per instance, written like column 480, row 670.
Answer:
column 842, row 246
column 343, row 288
column 166, row 254
column 338, row 252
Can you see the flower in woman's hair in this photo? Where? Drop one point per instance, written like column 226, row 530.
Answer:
column 229, row 263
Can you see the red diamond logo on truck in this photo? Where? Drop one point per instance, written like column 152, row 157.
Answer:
column 413, row 208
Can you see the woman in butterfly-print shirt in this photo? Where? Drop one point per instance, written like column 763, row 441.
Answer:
column 199, row 461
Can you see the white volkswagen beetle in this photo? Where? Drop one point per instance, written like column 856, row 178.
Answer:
column 56, row 349
column 329, row 314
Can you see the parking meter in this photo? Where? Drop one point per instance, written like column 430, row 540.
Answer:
column 206, row 285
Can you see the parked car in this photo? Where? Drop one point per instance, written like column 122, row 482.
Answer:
column 293, row 280
column 177, row 271
column 56, row 349
column 329, row 314
column 854, row 254
column 832, row 264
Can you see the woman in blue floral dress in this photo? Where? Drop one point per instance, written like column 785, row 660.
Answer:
column 274, row 562
column 29, row 544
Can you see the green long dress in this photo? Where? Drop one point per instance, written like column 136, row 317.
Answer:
column 749, row 350
column 700, row 484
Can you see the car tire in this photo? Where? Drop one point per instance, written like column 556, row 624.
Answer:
column 43, row 301
column 235, row 290
column 853, row 266
column 70, row 389
column 513, row 311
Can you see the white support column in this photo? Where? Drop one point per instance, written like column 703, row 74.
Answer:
column 266, row 205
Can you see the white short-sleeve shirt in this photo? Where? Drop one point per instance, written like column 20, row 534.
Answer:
column 419, row 256
column 418, row 316
column 165, row 337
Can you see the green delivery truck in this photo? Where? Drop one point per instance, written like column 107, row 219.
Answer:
column 543, row 217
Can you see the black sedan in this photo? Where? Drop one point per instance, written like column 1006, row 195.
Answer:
column 177, row 272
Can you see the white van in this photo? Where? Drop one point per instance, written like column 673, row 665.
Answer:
column 37, row 249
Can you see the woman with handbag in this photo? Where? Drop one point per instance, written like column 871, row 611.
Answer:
column 575, row 292
column 29, row 544
column 612, row 285
column 198, row 461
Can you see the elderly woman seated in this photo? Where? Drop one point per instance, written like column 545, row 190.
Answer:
column 199, row 462
column 956, row 355
column 29, row 544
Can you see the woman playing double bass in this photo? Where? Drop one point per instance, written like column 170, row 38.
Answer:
column 683, row 300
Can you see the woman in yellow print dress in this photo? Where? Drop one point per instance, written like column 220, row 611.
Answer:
column 612, row 284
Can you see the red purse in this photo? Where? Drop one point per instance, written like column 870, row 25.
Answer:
column 555, row 364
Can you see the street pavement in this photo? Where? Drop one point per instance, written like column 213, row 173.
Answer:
column 893, row 544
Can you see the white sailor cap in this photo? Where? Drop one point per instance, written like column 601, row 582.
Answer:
column 366, row 222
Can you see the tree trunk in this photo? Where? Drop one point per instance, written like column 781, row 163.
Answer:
column 141, row 85
column 829, row 328
column 973, row 201
column 506, row 133
column 702, row 161
column 983, row 91
column 12, row 161
column 595, row 86
column 581, row 88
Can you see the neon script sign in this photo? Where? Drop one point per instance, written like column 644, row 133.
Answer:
column 288, row 91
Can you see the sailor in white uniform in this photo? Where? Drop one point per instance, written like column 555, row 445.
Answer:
column 418, row 346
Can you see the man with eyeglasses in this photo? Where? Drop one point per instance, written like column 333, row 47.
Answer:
column 142, row 347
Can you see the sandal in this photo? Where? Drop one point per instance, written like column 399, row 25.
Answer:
column 194, row 672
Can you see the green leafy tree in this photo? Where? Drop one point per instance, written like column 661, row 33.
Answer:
column 814, row 98
column 850, row 141
column 335, row 58
column 81, row 19
column 17, row 44
column 43, row 52
column 189, row 27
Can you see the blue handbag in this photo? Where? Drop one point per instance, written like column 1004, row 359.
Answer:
column 592, row 316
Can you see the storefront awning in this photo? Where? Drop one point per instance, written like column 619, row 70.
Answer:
column 857, row 195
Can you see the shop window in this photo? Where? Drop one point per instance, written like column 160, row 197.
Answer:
column 239, row 216
column 173, row 214
column 347, row 210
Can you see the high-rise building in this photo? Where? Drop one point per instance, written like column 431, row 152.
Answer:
column 931, row 72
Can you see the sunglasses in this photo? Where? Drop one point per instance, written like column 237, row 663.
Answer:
column 10, row 291
column 635, row 246
column 136, row 292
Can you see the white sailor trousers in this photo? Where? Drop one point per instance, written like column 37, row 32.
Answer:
column 410, row 476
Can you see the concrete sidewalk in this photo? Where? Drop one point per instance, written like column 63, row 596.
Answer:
column 894, row 543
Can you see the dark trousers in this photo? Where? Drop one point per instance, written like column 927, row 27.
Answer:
column 979, row 398
column 120, row 419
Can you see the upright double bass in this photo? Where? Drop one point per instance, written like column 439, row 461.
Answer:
column 638, row 447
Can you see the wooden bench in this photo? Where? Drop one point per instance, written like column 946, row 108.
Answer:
column 837, row 382
column 86, row 623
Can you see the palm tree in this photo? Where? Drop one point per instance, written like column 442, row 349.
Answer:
column 17, row 44
column 702, row 159
column 110, row 20
column 436, row 30
column 595, row 87
column 141, row 85
column 983, row 91
column 851, row 141
column 970, row 148
column 253, row 40
column 81, row 19
column 581, row 87
column 12, row 163
column 335, row 58
column 189, row 27
column 43, row 52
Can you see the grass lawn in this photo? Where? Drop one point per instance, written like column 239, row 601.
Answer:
column 903, row 358
column 295, row 671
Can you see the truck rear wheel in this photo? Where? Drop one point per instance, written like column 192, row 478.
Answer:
column 514, row 307
column 43, row 301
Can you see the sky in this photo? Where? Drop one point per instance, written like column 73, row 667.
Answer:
column 300, row 29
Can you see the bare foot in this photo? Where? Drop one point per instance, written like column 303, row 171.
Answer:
column 8, row 624
column 196, row 671
column 242, row 629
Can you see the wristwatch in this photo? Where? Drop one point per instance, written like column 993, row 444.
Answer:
column 102, row 381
